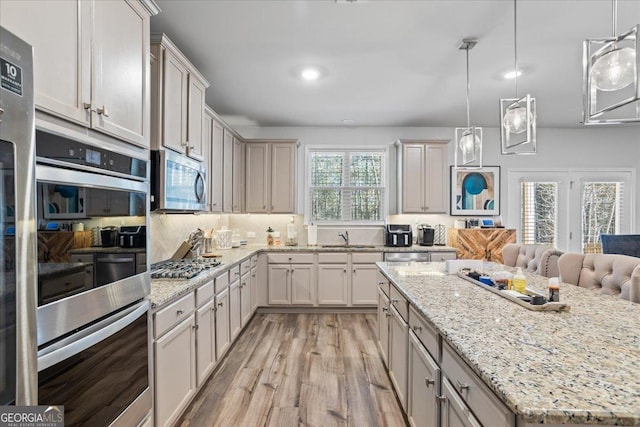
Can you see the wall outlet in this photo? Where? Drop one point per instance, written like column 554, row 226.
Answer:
column 251, row 234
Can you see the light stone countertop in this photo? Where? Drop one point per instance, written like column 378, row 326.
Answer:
column 580, row 366
column 164, row 291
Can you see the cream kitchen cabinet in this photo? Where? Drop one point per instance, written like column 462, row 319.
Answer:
column 364, row 278
column 423, row 166
column 214, row 134
column 227, row 170
column 238, row 175
column 333, row 284
column 177, row 98
column 291, row 279
column 398, row 343
column 423, row 387
column 175, row 359
column 235, row 322
column 206, row 341
column 91, row 61
column 223, row 337
column 245, row 292
column 383, row 323
column 254, row 283
column 270, row 176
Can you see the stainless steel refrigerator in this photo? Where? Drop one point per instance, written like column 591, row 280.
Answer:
column 18, row 256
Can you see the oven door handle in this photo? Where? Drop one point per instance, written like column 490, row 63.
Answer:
column 90, row 336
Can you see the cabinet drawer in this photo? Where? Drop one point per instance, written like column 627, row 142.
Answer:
column 483, row 403
column 204, row 293
column 254, row 261
column 222, row 282
column 173, row 314
column 234, row 274
column 333, row 258
column 424, row 332
column 366, row 257
column 383, row 284
column 82, row 258
column 245, row 267
column 398, row 301
column 442, row 256
column 59, row 287
column 290, row 258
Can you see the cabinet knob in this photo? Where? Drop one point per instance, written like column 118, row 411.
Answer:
column 192, row 147
column 441, row 399
column 86, row 105
column 462, row 386
column 385, row 309
column 417, row 328
column 429, row 382
column 388, row 314
column 394, row 300
column 354, row 271
column 380, row 283
column 180, row 312
column 220, row 304
column 103, row 111
column 194, row 327
column 345, row 270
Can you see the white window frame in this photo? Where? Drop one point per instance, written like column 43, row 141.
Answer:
column 385, row 150
column 569, row 220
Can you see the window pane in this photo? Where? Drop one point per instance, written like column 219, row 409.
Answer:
column 600, row 213
column 539, row 206
column 366, row 205
column 326, row 205
column 365, row 170
column 326, row 169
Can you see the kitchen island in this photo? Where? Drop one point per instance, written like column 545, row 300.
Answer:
column 577, row 367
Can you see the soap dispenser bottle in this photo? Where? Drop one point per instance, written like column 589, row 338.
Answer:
column 520, row 282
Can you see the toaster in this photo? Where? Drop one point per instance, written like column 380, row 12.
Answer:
column 133, row 236
column 398, row 235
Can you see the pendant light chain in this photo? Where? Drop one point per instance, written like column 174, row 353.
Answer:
column 468, row 89
column 515, row 43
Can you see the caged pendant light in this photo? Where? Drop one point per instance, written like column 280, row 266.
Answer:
column 468, row 146
column 517, row 115
column 611, row 77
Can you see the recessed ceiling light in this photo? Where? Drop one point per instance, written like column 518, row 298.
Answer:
column 310, row 73
column 512, row 74
column 348, row 122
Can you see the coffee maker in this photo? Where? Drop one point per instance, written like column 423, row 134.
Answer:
column 425, row 235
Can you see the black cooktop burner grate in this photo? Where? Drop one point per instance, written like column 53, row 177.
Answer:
column 182, row 269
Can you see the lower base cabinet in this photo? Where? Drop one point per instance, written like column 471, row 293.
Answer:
column 235, row 322
column 175, row 367
column 206, row 341
column 454, row 412
column 245, row 299
column 383, row 325
column 223, row 337
column 424, row 374
column 398, row 348
column 333, row 283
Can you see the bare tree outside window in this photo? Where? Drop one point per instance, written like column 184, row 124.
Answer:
column 539, row 212
column 600, row 213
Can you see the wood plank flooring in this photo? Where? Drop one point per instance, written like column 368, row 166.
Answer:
column 300, row 370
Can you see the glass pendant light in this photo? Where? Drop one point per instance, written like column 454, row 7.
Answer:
column 517, row 115
column 611, row 77
column 468, row 146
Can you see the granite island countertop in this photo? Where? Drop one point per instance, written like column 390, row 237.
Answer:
column 575, row 367
column 164, row 291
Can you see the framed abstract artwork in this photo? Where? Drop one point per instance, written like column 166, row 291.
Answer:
column 475, row 192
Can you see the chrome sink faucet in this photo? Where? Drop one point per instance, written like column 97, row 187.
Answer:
column 345, row 236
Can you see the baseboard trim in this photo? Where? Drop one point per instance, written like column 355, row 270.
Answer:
column 311, row 310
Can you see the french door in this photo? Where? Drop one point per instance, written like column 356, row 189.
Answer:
column 569, row 209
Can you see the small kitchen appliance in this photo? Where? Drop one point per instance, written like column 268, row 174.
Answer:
column 398, row 235
column 109, row 236
column 425, row 235
column 133, row 236
column 440, row 235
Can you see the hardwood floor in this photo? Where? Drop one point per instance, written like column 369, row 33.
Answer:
column 300, row 370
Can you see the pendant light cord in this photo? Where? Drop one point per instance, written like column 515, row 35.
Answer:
column 515, row 44
column 614, row 9
column 468, row 89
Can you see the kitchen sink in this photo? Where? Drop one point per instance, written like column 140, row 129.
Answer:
column 349, row 246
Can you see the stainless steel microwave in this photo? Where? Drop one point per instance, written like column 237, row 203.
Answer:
column 178, row 183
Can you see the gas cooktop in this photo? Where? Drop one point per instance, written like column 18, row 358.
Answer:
column 182, row 268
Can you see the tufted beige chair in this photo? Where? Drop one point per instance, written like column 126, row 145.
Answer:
column 540, row 259
column 603, row 273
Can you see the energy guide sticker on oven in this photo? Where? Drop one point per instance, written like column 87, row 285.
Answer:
column 10, row 77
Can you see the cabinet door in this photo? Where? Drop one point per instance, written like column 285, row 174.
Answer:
column 422, row 405
column 302, row 284
column 97, row 202
column 234, row 309
column 364, row 284
column 175, row 371
column 279, row 284
column 60, row 33
column 223, row 339
column 398, row 346
column 205, row 341
column 174, row 117
column 435, row 198
column 332, row 284
column 453, row 410
column 215, row 169
column 245, row 299
column 257, row 174
column 120, row 85
column 383, row 325
column 227, row 168
column 283, row 179
column 195, row 114
column 413, row 178
column 238, row 175
column 254, row 289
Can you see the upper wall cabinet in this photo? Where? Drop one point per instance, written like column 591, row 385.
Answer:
column 91, row 61
column 270, row 176
column 422, row 176
column 213, row 149
column 177, row 100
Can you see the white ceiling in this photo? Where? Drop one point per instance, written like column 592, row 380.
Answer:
column 388, row 63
